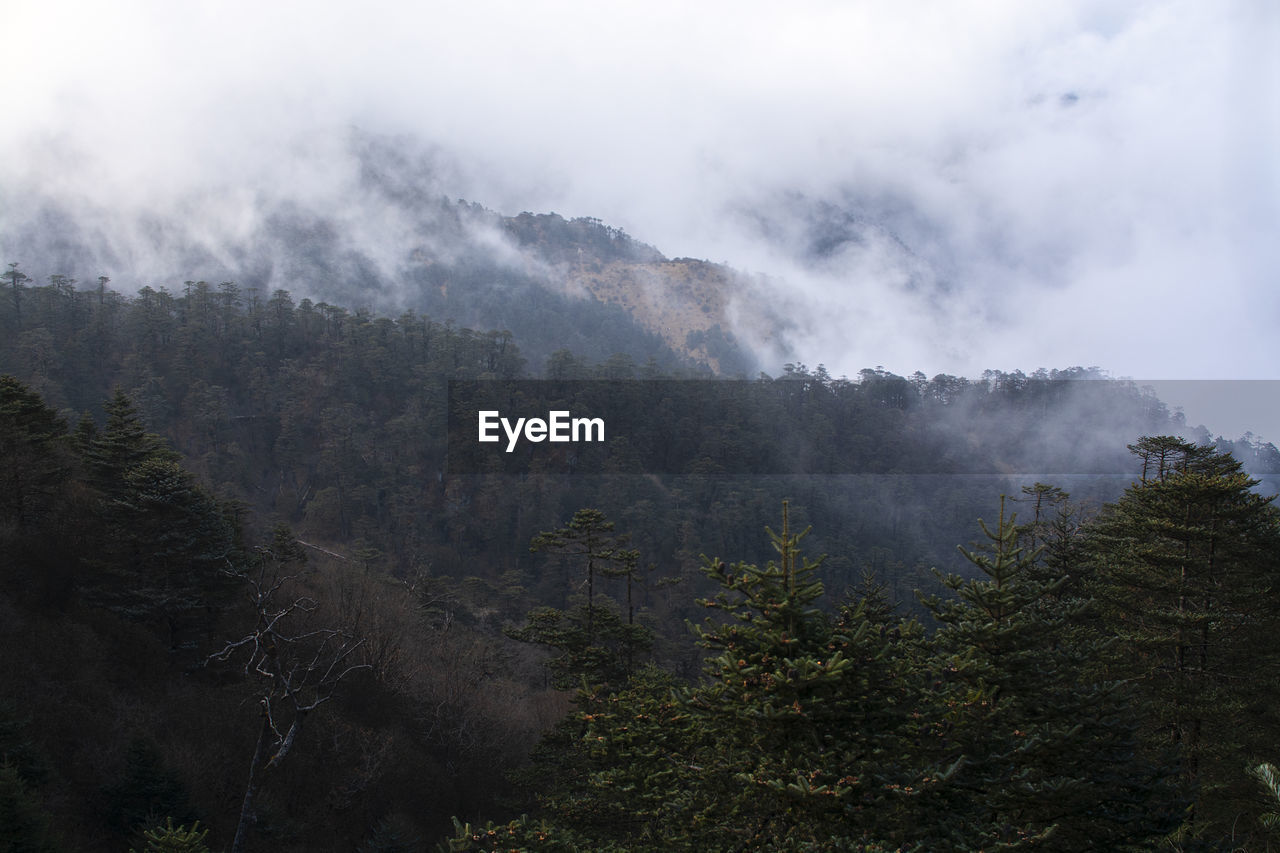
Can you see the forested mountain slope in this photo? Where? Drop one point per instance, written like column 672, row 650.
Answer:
column 333, row 421
column 186, row 458
column 130, row 567
column 392, row 241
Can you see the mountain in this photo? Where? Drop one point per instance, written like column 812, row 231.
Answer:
column 385, row 235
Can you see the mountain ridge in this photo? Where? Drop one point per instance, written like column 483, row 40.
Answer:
column 392, row 240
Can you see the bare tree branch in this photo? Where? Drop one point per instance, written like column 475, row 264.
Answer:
column 301, row 666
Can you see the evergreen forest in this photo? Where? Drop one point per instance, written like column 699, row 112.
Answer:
column 245, row 603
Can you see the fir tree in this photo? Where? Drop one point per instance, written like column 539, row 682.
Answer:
column 171, row 839
column 1268, row 778
column 603, row 658
column 1055, row 531
column 122, row 444
column 1045, row 752
column 772, row 703
column 519, row 835
column 619, row 768
column 32, row 465
column 590, row 535
column 795, row 740
column 16, row 278
column 1186, row 568
column 590, row 638
column 166, row 544
column 163, row 541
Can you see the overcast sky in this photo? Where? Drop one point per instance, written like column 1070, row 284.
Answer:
column 1037, row 184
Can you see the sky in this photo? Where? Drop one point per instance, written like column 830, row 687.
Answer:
column 1065, row 182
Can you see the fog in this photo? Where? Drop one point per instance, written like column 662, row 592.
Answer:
column 932, row 186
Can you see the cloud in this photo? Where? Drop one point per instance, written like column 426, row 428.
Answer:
column 1067, row 182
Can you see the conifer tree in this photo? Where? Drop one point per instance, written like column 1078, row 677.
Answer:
column 16, row 279
column 591, row 641
column 122, row 444
column 1268, row 778
column 145, row 788
column 32, row 466
column 622, row 767
column 604, row 658
column 1054, row 529
column 795, row 741
column 24, row 823
column 774, row 692
column 178, row 542
column 893, row 715
column 171, row 839
column 83, row 436
column 1187, row 567
column 1046, row 750
column 590, row 535
column 521, row 834
column 163, row 541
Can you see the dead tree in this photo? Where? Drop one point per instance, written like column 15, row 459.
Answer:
column 297, row 666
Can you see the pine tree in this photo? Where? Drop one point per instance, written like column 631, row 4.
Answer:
column 171, row 839
column 518, row 835
column 167, row 542
column 16, row 279
column 1187, row 566
column 24, row 824
column 1045, row 750
column 1268, row 777
column 122, row 444
column 795, row 741
column 163, row 542
column 617, row 769
column 799, row 737
column 590, row 638
column 32, row 465
column 1054, row 530
column 604, row 658
column 590, row 535
column 893, row 715
column 772, row 701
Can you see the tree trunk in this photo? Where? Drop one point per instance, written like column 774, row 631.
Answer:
column 247, row 817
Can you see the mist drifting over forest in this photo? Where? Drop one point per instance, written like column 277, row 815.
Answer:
column 990, row 272
column 945, row 187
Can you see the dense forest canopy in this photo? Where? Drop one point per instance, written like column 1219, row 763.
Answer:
column 242, row 587
column 266, row 273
